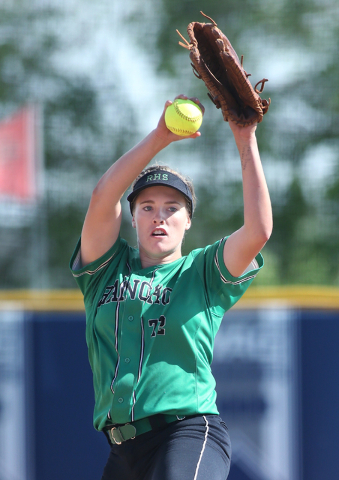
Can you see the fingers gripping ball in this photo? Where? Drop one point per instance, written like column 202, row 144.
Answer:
column 183, row 117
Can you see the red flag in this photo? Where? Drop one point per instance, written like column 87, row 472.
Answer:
column 19, row 156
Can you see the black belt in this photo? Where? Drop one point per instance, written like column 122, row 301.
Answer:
column 128, row 431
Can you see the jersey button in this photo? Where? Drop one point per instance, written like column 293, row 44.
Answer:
column 131, row 318
column 120, row 400
column 127, row 360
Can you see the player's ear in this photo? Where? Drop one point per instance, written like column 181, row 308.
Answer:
column 133, row 222
column 188, row 223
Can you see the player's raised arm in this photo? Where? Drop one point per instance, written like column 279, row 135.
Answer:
column 244, row 244
column 103, row 219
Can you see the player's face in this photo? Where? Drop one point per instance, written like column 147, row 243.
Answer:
column 161, row 219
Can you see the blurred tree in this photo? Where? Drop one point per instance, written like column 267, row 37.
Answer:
column 77, row 143
column 294, row 44
column 291, row 42
column 288, row 218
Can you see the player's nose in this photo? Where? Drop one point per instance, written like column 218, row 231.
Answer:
column 158, row 216
column 157, row 220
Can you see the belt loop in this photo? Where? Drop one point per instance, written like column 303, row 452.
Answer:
column 157, row 421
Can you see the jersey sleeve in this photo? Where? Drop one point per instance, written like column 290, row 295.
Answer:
column 222, row 289
column 88, row 277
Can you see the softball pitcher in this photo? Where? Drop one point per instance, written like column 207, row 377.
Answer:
column 152, row 314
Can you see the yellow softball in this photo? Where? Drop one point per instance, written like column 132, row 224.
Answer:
column 183, row 117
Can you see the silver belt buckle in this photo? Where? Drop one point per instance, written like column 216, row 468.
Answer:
column 122, row 433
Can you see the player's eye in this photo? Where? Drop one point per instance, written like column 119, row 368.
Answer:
column 173, row 209
column 147, row 208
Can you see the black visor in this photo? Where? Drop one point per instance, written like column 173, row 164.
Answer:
column 160, row 177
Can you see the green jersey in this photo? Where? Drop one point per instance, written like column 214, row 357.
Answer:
column 150, row 331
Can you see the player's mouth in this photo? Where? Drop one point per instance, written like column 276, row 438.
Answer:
column 159, row 232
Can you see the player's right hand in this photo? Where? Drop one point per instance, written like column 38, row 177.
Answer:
column 164, row 133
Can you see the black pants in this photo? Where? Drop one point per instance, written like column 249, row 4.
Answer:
column 195, row 448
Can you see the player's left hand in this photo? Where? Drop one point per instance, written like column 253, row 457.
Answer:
column 242, row 133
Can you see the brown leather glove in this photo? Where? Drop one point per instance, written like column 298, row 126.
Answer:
column 215, row 62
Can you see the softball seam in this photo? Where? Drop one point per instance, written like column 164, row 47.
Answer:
column 180, row 130
column 188, row 119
